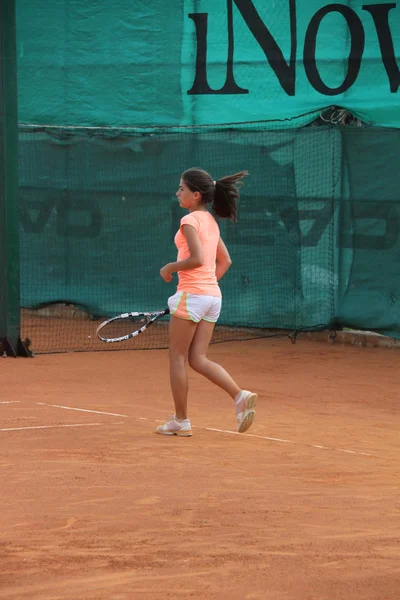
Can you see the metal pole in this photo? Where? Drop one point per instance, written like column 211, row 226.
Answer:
column 10, row 343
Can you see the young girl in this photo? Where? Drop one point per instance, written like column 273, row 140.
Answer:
column 202, row 260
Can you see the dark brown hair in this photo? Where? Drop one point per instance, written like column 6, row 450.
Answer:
column 221, row 194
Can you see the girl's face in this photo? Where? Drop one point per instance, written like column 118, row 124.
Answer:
column 187, row 199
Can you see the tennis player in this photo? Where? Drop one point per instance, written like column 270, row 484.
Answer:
column 202, row 260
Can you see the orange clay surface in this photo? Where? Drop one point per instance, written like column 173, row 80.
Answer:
column 304, row 506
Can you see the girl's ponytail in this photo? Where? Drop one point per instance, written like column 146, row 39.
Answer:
column 226, row 195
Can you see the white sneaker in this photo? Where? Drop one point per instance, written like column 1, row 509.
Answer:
column 173, row 426
column 245, row 404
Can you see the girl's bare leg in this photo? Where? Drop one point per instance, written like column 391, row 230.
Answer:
column 181, row 333
column 200, row 363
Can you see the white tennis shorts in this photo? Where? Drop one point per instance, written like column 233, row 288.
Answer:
column 193, row 307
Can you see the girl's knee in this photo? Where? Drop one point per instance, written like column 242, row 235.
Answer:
column 176, row 357
column 197, row 362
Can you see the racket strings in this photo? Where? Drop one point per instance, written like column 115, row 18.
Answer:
column 128, row 325
column 123, row 326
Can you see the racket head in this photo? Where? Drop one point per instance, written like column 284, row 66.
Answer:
column 127, row 325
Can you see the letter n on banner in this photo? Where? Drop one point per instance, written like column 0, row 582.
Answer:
column 285, row 72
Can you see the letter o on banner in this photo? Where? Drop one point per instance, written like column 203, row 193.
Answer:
column 357, row 38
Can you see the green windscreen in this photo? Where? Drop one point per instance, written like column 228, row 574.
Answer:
column 316, row 244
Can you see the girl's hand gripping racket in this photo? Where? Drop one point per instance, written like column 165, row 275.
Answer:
column 128, row 325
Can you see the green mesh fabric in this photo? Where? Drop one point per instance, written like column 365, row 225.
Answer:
column 316, row 244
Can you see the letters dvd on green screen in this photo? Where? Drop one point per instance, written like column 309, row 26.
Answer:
column 196, row 62
column 317, row 243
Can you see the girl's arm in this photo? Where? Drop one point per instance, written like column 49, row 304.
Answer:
column 196, row 258
column 223, row 260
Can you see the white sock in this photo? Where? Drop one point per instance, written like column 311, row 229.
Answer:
column 242, row 394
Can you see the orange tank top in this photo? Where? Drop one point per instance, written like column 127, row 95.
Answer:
column 202, row 280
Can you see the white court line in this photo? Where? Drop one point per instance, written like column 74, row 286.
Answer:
column 10, row 402
column 261, row 437
column 57, row 426
column 353, row 452
column 228, row 431
column 97, row 412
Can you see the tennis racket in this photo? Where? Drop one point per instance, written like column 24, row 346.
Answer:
column 128, row 325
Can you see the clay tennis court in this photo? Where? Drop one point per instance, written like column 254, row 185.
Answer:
column 305, row 506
